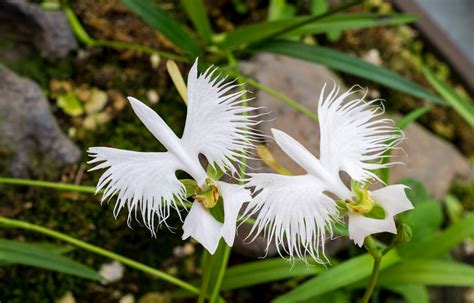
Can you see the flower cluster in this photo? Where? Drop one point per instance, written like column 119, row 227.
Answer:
column 296, row 212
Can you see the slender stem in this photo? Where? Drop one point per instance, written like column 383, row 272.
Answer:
column 99, row 251
column 54, row 185
column 208, row 260
column 371, row 247
column 288, row 101
column 373, row 280
column 140, row 48
column 83, row 36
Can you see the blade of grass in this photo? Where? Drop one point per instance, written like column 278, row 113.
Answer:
column 348, row 64
column 11, row 223
column 464, row 107
column 160, row 20
column 197, row 13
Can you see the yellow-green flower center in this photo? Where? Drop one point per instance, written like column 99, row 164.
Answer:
column 208, row 195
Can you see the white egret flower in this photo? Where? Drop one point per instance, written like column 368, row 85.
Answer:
column 218, row 127
column 297, row 212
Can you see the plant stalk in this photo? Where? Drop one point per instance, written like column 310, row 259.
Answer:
column 371, row 247
column 5, row 222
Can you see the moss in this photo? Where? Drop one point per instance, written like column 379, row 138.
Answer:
column 464, row 191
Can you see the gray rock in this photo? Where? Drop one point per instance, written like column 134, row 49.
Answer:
column 31, row 143
column 429, row 159
column 47, row 30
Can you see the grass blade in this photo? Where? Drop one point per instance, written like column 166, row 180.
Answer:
column 14, row 252
column 348, row 64
column 464, row 107
column 197, row 13
column 160, row 20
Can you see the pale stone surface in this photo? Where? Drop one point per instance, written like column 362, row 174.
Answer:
column 31, row 142
column 48, row 30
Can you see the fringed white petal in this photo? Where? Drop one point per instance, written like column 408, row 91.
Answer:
column 353, row 136
column 217, row 124
column 294, row 212
column 393, row 200
column 234, row 196
column 201, row 226
column 145, row 183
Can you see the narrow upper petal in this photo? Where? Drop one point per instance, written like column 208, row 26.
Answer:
column 353, row 136
column 294, row 212
column 394, row 200
column 234, row 196
column 310, row 163
column 201, row 226
column 217, row 124
column 158, row 127
column 145, row 183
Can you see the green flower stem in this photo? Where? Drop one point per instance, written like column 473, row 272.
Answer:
column 139, row 48
column 5, row 222
column 83, row 36
column 53, row 185
column 371, row 247
column 207, row 262
column 288, row 101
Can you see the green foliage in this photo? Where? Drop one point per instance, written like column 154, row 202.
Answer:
column 348, row 64
column 412, row 293
column 46, row 257
column 197, row 13
column 464, row 107
column 70, row 104
column 265, row 271
column 161, row 21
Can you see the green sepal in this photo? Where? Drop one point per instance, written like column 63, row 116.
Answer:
column 214, row 172
column 218, row 211
column 377, row 212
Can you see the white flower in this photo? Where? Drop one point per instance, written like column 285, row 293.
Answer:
column 145, row 182
column 297, row 212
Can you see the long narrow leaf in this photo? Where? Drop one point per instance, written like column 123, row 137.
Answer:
column 412, row 293
column 341, row 275
column 160, row 20
column 197, row 13
column 428, row 272
column 464, row 107
column 256, row 32
column 14, row 252
column 442, row 243
column 265, row 271
column 348, row 64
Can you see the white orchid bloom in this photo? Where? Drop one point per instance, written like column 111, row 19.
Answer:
column 218, row 127
column 297, row 213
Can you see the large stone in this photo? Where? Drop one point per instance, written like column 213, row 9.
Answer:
column 429, row 159
column 47, row 30
column 31, row 143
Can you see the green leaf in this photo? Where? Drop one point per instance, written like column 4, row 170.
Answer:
column 197, row 13
column 269, row 270
column 339, row 276
column 280, row 9
column 319, row 7
column 36, row 256
column 256, row 32
column 70, row 104
column 464, row 107
column 440, row 244
column 428, row 272
column 341, row 22
column 412, row 293
column 348, row 64
column 160, row 20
